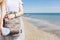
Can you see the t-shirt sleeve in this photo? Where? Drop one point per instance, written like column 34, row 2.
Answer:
column 20, row 1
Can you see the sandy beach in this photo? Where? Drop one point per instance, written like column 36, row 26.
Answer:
column 33, row 33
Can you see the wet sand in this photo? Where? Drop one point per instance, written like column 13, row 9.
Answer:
column 45, row 26
column 33, row 33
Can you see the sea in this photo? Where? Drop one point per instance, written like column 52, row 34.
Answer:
column 48, row 22
column 53, row 18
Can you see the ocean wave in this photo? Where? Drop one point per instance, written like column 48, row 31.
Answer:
column 43, row 24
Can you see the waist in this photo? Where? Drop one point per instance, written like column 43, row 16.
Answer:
column 8, row 13
column 12, row 12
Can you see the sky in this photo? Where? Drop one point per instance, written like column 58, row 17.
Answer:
column 41, row 6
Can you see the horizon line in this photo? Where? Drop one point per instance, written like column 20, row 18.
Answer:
column 59, row 13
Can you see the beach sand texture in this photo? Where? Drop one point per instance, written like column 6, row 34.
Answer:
column 33, row 33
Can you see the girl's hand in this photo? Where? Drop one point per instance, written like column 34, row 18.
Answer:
column 10, row 16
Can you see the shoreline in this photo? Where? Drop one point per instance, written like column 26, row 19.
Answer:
column 33, row 33
column 45, row 26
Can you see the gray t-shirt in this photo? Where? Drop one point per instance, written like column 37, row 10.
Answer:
column 13, row 5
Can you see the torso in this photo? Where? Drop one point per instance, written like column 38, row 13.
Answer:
column 12, row 5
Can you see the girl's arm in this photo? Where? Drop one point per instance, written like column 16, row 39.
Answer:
column 20, row 10
column 2, row 15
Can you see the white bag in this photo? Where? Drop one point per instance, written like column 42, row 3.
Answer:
column 5, row 31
